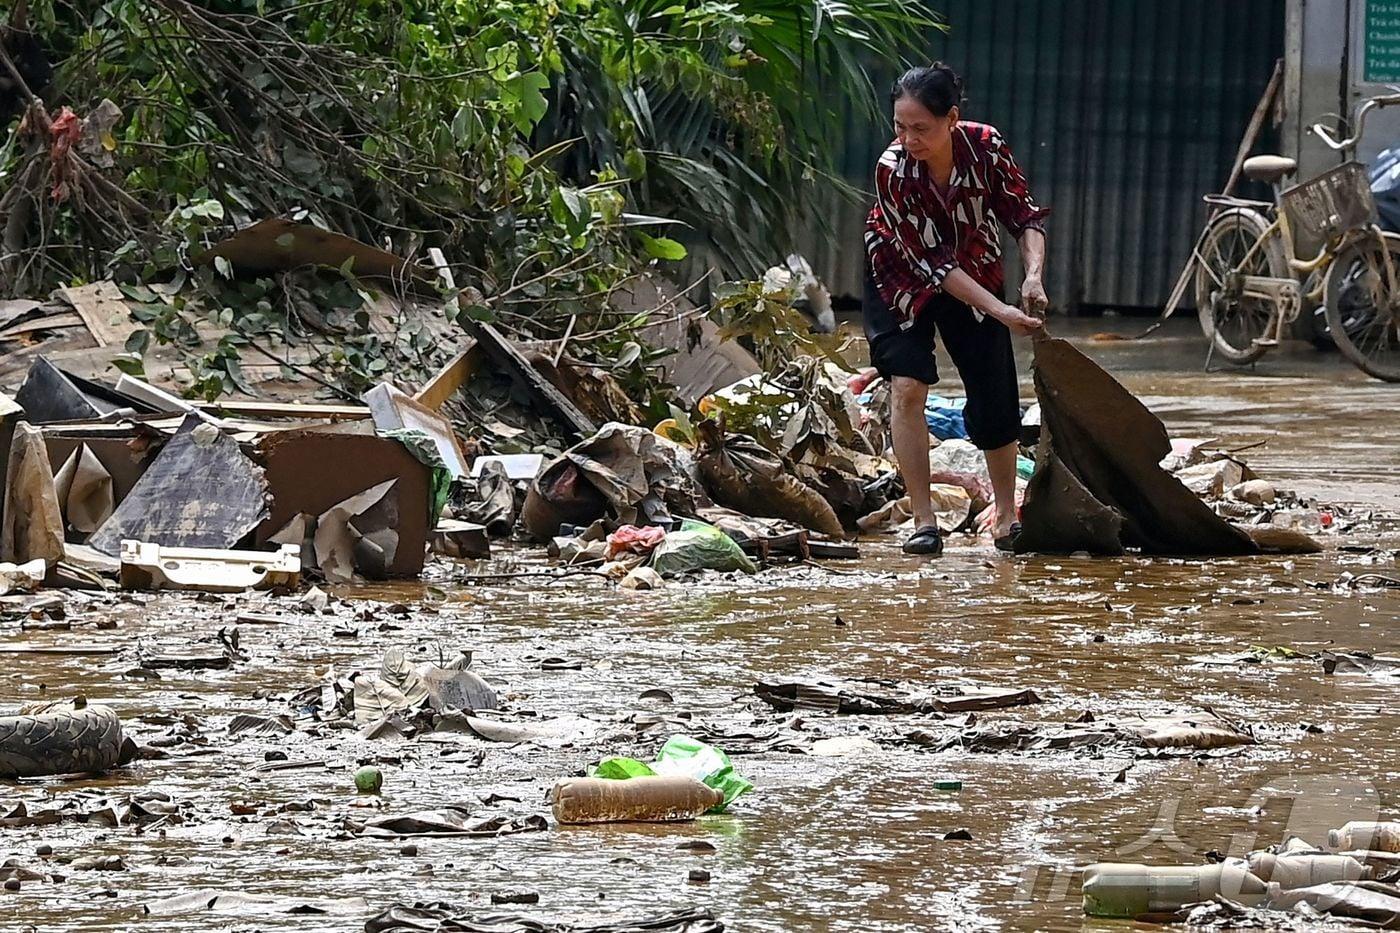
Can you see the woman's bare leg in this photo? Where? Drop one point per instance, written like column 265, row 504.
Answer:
column 910, row 429
column 1001, row 464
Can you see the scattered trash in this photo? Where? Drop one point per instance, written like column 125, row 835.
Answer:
column 642, row 578
column 645, row 798
column 699, row 546
column 686, row 757
column 462, row 540
column 849, row 699
column 21, row 577
column 369, row 780
column 443, row 917
column 1126, row 891
column 1364, row 834
column 448, row 821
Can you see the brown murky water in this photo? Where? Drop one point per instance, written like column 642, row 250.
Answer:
column 839, row 843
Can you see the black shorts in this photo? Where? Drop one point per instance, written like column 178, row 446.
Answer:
column 981, row 350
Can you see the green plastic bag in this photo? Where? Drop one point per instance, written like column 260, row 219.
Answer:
column 620, row 769
column 699, row 546
column 709, row 765
column 682, row 755
column 425, row 451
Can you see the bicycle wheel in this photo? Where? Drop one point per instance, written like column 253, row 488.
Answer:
column 1235, row 322
column 1363, row 315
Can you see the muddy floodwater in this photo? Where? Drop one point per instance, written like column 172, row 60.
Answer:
column 848, row 842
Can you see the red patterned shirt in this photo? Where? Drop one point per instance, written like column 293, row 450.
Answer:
column 915, row 234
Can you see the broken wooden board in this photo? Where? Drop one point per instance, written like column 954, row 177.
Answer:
column 200, row 491
column 695, row 369
column 103, row 308
column 506, row 355
column 1108, row 441
column 446, row 381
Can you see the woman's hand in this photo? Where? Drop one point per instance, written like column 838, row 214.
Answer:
column 1033, row 297
column 1020, row 323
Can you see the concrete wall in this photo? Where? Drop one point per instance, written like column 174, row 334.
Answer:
column 1325, row 45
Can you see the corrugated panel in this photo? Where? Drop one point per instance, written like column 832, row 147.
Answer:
column 1123, row 113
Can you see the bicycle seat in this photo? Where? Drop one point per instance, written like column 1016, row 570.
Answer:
column 1269, row 168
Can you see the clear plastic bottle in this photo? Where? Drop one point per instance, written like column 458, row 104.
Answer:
column 1366, row 835
column 642, row 799
column 1305, row 870
column 1117, row 889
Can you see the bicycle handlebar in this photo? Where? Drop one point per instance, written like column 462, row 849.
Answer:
column 1359, row 121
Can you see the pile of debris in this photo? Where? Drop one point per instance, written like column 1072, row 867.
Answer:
column 127, row 477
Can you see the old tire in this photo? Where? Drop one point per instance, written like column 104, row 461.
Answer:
column 60, row 741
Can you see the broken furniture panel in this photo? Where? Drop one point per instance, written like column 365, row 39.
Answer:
column 199, row 491
column 146, row 566
column 310, row 471
column 393, row 410
column 50, row 394
column 1097, row 434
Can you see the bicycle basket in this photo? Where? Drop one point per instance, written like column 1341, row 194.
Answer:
column 1325, row 207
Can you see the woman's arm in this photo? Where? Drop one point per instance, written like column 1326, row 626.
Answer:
column 1033, row 297
column 965, row 288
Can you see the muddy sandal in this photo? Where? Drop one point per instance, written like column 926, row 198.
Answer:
column 927, row 540
column 1007, row 542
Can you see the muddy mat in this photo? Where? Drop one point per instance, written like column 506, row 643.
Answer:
column 1097, row 485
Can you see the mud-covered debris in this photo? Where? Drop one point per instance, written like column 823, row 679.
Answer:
column 260, row 725
column 899, row 699
column 1199, row 733
column 1098, row 485
column 242, row 903
column 442, row 918
column 1358, row 662
column 447, row 821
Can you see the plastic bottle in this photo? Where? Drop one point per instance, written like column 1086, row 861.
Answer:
column 641, row 799
column 1116, row 889
column 1301, row 871
column 1364, row 834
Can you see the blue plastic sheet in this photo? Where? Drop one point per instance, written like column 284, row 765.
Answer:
column 945, row 417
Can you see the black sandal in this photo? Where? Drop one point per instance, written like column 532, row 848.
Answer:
column 927, row 540
column 1007, row 542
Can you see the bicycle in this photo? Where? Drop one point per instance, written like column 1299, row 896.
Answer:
column 1251, row 283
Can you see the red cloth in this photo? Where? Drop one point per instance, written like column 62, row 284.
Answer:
column 637, row 540
column 914, row 236
column 66, row 130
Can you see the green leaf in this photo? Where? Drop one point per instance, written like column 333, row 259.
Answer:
column 224, row 267
column 631, row 352
column 478, row 312
column 661, row 247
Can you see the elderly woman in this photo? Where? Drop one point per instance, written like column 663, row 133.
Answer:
column 934, row 270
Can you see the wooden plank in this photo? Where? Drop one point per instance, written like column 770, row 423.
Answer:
column 446, row 381
column 311, row 410
column 52, row 322
column 103, row 309
column 506, row 355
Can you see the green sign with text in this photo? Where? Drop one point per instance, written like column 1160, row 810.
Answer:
column 1382, row 42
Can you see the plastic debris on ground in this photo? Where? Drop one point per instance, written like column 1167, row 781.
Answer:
column 682, row 756
column 699, row 546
